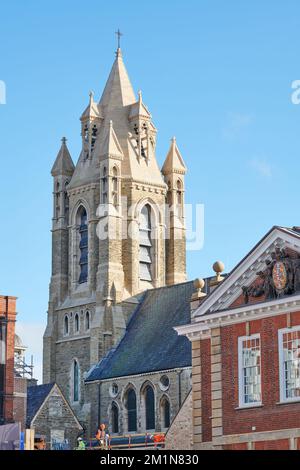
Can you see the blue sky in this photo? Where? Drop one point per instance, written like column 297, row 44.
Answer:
column 215, row 74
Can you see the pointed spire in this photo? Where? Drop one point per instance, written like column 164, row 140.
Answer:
column 174, row 162
column 139, row 109
column 118, row 90
column 63, row 164
column 111, row 146
column 92, row 110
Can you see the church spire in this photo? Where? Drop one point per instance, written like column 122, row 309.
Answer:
column 63, row 164
column 174, row 162
column 118, row 90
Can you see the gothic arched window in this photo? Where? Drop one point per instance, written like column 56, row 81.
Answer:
column 115, row 186
column 179, row 197
column 57, row 201
column 104, row 186
column 66, row 198
column 131, row 410
column 83, row 246
column 76, row 323
column 66, row 325
column 75, row 381
column 87, row 321
column 145, row 243
column 115, row 417
column 150, row 407
column 165, row 411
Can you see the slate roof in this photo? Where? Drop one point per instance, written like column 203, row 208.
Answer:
column 150, row 342
column 35, row 398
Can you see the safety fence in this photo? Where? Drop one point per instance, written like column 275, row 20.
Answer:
column 129, row 441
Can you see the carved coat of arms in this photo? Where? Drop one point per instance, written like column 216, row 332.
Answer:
column 281, row 277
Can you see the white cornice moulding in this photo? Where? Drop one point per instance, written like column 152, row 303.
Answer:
column 200, row 329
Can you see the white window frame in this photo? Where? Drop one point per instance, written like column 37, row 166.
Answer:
column 281, row 332
column 242, row 403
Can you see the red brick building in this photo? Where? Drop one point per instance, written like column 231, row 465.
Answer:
column 7, row 348
column 246, row 351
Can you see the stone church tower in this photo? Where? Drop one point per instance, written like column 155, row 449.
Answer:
column 118, row 229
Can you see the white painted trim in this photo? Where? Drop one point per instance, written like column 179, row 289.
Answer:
column 242, row 403
column 236, row 274
column 239, row 315
column 281, row 332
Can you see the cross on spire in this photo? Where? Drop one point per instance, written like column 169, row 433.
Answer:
column 119, row 34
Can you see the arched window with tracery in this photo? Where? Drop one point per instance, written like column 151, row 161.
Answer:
column 114, row 418
column 83, row 245
column 145, row 244
column 149, row 407
column 75, row 381
column 131, row 410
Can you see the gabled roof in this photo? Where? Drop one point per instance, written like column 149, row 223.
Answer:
column 245, row 273
column 118, row 90
column 150, row 342
column 111, row 146
column 36, row 396
column 63, row 164
column 174, row 162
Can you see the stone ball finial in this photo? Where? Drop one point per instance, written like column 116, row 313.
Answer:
column 218, row 267
column 199, row 283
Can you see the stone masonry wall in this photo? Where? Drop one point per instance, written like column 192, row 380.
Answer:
column 180, row 433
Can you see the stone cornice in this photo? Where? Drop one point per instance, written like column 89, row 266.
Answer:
column 82, row 189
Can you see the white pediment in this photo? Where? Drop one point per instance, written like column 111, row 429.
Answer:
column 245, row 273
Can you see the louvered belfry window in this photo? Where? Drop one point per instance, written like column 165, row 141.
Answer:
column 145, row 242
column 83, row 246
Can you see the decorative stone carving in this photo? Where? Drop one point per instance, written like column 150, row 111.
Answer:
column 280, row 277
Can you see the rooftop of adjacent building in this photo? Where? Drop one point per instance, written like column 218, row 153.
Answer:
column 150, row 342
